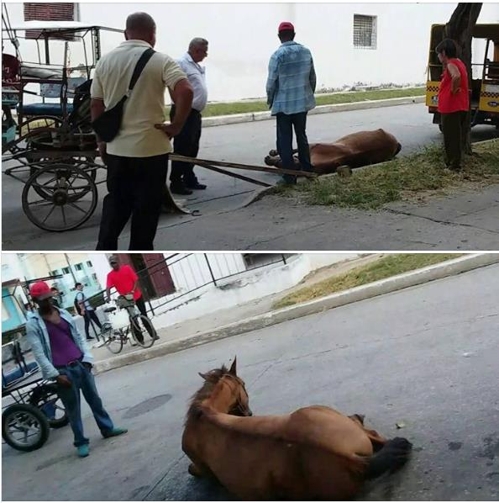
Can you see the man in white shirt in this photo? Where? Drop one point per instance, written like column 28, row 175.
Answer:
column 137, row 159
column 182, row 178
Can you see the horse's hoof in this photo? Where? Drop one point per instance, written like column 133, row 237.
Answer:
column 268, row 160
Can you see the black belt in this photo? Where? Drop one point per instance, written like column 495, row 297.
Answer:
column 72, row 363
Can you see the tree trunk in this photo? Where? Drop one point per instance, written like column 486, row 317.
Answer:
column 460, row 29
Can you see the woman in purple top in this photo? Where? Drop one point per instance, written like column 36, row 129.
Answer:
column 63, row 355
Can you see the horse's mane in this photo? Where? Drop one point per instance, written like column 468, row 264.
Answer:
column 204, row 392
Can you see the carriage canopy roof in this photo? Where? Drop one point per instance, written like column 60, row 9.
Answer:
column 57, row 26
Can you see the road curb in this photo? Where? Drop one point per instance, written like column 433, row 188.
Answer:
column 389, row 285
column 224, row 120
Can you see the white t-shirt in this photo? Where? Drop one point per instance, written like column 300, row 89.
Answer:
column 146, row 105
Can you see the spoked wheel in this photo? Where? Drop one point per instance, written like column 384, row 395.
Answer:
column 114, row 340
column 27, row 132
column 69, row 197
column 47, row 399
column 142, row 325
column 74, row 162
column 24, row 427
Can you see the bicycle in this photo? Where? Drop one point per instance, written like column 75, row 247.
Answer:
column 119, row 331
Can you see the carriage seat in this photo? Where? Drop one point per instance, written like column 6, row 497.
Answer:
column 11, row 376
column 36, row 109
column 52, row 91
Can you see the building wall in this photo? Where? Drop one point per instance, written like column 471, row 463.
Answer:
column 242, row 37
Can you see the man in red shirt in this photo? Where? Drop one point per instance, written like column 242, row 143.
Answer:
column 453, row 103
column 126, row 281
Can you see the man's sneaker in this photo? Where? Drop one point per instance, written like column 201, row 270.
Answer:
column 114, row 432
column 83, row 451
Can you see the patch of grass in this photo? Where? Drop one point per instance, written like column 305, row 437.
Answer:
column 385, row 267
column 241, row 107
column 408, row 178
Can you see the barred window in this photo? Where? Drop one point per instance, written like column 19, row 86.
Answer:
column 364, row 31
column 50, row 12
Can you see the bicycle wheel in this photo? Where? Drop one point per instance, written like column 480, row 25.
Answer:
column 24, row 427
column 114, row 341
column 142, row 324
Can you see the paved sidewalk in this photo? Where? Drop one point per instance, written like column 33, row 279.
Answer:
column 224, row 317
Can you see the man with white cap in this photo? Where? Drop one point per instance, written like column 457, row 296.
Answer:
column 290, row 94
column 63, row 355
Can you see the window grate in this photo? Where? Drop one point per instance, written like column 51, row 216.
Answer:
column 364, row 31
column 50, row 12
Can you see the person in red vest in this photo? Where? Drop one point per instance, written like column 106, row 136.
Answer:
column 126, row 281
column 453, row 103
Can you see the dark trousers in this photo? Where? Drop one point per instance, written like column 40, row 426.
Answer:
column 90, row 316
column 135, row 189
column 285, row 125
column 82, row 380
column 186, row 143
column 141, row 306
column 454, row 129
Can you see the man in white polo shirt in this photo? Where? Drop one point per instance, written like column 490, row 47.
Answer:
column 137, row 159
column 182, row 178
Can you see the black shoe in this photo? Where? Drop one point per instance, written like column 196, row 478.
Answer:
column 90, row 338
column 196, row 186
column 181, row 189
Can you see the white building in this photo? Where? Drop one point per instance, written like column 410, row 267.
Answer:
column 368, row 43
column 177, row 287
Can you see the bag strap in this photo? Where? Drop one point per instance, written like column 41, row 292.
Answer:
column 141, row 63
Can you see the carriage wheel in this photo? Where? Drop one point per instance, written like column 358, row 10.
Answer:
column 70, row 197
column 24, row 427
column 81, row 163
column 47, row 400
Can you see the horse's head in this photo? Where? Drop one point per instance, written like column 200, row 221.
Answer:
column 224, row 391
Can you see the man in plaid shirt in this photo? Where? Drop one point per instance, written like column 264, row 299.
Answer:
column 290, row 94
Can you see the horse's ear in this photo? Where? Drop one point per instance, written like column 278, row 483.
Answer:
column 233, row 367
column 203, row 376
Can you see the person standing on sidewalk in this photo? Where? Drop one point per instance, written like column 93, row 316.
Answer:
column 86, row 310
column 182, row 178
column 290, row 87
column 453, row 103
column 137, row 159
column 63, row 355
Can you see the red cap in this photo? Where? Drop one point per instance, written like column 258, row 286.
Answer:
column 286, row 25
column 40, row 290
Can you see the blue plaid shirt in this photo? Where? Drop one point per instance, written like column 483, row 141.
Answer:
column 291, row 81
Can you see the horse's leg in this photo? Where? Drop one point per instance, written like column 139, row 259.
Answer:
column 272, row 160
column 392, row 456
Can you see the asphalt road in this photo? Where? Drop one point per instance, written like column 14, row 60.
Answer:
column 426, row 356
column 244, row 143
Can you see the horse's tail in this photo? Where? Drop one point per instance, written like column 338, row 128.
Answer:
column 391, row 457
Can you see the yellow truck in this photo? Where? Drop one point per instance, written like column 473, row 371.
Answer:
column 484, row 99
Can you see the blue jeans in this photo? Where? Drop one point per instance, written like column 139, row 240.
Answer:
column 82, row 379
column 285, row 125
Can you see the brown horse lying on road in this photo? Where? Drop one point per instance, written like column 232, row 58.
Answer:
column 354, row 150
column 313, row 453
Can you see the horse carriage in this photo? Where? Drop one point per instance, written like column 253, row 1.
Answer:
column 31, row 405
column 50, row 146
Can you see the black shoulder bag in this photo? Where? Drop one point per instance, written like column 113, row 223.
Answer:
column 107, row 125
